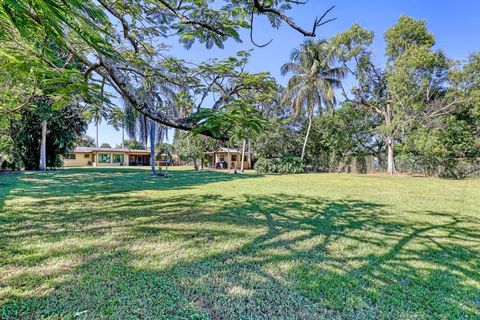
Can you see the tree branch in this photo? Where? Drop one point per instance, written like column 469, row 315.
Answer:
column 262, row 8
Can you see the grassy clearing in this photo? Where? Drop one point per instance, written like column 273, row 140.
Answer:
column 116, row 243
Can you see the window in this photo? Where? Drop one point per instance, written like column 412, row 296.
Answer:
column 104, row 158
column 245, row 158
column 234, row 157
column 87, row 156
column 222, row 158
column 118, row 158
column 71, row 156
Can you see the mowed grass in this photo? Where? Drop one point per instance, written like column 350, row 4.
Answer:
column 116, row 243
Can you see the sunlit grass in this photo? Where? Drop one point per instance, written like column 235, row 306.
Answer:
column 117, row 243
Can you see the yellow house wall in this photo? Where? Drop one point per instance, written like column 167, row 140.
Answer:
column 80, row 160
column 233, row 164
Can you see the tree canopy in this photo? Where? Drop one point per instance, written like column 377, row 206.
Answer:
column 120, row 44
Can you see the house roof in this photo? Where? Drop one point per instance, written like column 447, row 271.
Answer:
column 226, row 150
column 89, row 149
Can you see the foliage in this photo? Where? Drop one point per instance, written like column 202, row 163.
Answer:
column 280, row 138
column 122, row 44
column 442, row 143
column 417, row 93
column 105, row 145
column 340, row 138
column 406, row 34
column 134, row 145
column 279, row 165
column 64, row 128
column 165, row 151
column 85, row 141
column 314, row 79
column 191, row 148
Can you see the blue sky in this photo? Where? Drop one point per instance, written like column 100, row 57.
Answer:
column 455, row 24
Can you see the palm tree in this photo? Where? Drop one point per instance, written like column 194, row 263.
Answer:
column 158, row 95
column 313, row 82
column 98, row 114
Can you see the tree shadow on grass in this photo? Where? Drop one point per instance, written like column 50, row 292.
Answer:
column 59, row 201
column 245, row 257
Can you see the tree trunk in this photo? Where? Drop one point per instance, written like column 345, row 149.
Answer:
column 306, row 136
column 390, row 156
column 152, row 146
column 243, row 155
column 43, row 148
column 229, row 158
column 96, row 140
column 123, row 137
column 390, row 141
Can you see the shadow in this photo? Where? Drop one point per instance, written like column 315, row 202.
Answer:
column 8, row 181
column 208, row 255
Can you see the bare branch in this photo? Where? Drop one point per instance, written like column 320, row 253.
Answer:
column 261, row 8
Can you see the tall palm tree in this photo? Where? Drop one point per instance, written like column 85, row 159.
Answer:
column 159, row 95
column 98, row 113
column 314, row 80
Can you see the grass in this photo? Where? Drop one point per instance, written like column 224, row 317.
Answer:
column 116, row 243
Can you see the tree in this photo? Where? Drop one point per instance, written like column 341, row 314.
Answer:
column 65, row 127
column 133, row 145
column 159, row 94
column 314, row 81
column 447, row 135
column 192, row 147
column 98, row 113
column 402, row 91
column 30, row 84
column 105, row 145
column 343, row 138
column 85, row 141
column 137, row 46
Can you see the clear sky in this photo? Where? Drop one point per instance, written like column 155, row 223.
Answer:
column 455, row 24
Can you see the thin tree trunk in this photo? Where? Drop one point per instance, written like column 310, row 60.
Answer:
column 306, row 136
column 228, row 157
column 152, row 146
column 43, row 148
column 123, row 137
column 390, row 157
column 390, row 141
column 243, row 155
column 96, row 140
column 249, row 157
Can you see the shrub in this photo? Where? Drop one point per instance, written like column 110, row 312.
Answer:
column 283, row 165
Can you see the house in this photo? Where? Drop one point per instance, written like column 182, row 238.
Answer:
column 83, row 157
column 219, row 159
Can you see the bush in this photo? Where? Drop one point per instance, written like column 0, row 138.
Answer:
column 279, row 165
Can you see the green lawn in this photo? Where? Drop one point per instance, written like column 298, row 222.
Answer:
column 117, row 243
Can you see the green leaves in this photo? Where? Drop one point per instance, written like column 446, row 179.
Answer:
column 352, row 43
column 239, row 119
column 314, row 78
column 38, row 20
column 407, row 33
